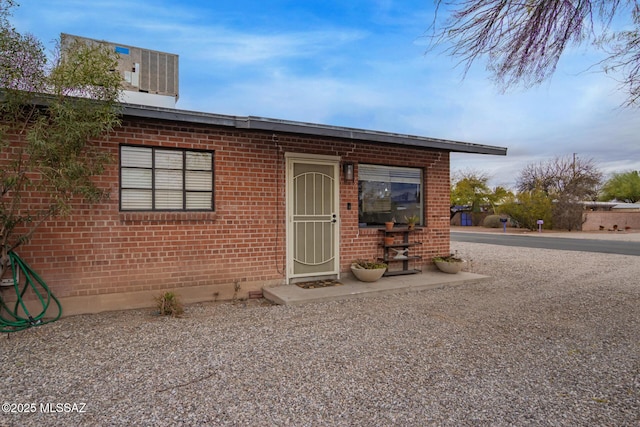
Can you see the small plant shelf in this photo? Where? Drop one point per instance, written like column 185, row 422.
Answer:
column 399, row 252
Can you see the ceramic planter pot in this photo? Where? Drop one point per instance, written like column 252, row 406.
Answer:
column 449, row 267
column 366, row 274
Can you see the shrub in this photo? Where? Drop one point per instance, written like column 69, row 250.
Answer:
column 492, row 221
column 368, row 265
column 529, row 207
column 169, row 305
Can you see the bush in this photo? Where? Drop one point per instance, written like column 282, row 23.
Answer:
column 368, row 265
column 529, row 207
column 169, row 305
column 492, row 221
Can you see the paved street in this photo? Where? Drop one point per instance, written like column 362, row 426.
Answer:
column 605, row 243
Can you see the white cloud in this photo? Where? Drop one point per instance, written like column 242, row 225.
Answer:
column 231, row 48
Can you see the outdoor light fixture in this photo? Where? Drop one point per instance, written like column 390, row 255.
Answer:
column 347, row 169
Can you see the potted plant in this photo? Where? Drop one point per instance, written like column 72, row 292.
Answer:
column 451, row 264
column 412, row 221
column 368, row 271
column 389, row 224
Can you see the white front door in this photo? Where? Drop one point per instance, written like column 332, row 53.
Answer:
column 312, row 216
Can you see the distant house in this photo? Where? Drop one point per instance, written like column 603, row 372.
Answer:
column 216, row 206
column 611, row 216
column 626, row 207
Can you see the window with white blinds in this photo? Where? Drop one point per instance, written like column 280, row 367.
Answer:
column 165, row 179
column 387, row 193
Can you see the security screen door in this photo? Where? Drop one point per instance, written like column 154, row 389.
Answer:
column 313, row 217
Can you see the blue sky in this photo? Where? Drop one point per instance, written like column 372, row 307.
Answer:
column 358, row 64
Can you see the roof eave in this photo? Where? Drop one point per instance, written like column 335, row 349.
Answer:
column 274, row 125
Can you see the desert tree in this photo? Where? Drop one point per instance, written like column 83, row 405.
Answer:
column 522, row 41
column 623, row 186
column 53, row 113
column 623, row 60
column 573, row 175
column 566, row 181
column 470, row 188
column 527, row 207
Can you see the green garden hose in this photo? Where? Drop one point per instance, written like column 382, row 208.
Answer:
column 19, row 318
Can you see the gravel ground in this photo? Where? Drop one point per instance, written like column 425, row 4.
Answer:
column 552, row 339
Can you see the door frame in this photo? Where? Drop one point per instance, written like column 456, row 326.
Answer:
column 334, row 161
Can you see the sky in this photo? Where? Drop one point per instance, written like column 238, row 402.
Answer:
column 360, row 64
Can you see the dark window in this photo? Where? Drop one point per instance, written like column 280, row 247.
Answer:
column 388, row 193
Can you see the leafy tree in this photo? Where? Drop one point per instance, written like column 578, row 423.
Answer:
column 622, row 186
column 470, row 188
column 523, row 41
column 528, row 207
column 566, row 181
column 499, row 196
column 51, row 116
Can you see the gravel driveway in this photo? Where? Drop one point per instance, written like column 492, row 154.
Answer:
column 553, row 339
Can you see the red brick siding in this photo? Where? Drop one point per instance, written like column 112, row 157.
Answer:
column 99, row 250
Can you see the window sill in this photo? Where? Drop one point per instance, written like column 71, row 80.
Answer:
column 160, row 217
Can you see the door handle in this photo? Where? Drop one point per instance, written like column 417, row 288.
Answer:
column 334, row 219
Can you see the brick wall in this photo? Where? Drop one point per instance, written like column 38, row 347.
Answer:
column 98, row 250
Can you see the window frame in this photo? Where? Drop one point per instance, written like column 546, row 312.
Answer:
column 384, row 216
column 154, row 188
